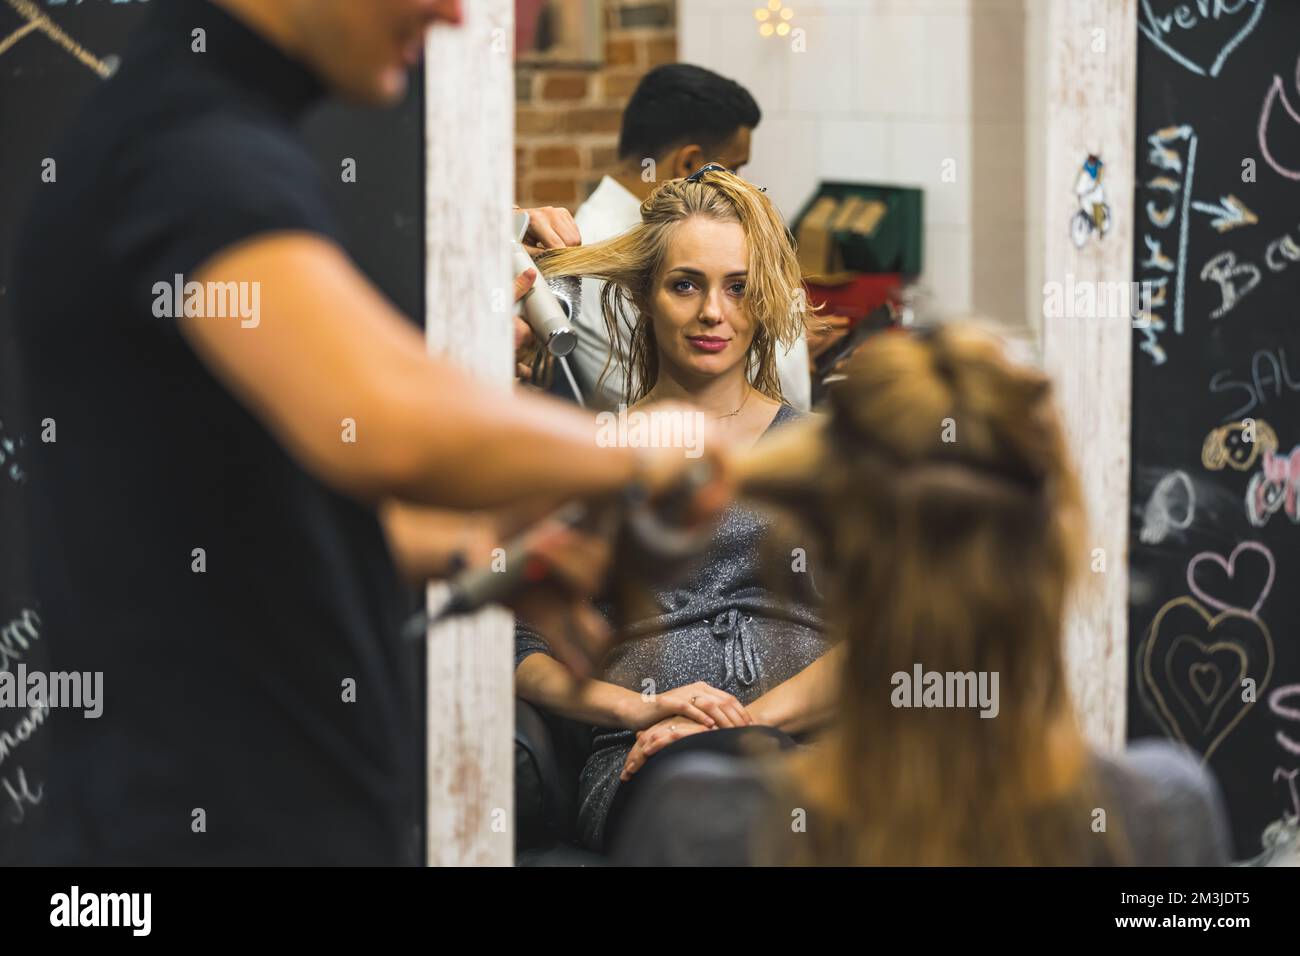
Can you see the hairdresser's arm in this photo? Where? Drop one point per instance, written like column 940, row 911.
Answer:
column 428, row 542
column 807, row 700
column 328, row 349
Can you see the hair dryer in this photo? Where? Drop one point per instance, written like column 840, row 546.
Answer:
column 548, row 305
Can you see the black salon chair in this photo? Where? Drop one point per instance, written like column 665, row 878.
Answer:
column 549, row 754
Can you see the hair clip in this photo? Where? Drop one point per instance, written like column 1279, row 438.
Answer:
column 696, row 176
column 706, row 168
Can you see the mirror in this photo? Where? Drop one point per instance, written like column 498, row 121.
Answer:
column 555, row 32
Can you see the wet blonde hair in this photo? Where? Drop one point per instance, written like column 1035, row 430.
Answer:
column 631, row 265
column 952, row 529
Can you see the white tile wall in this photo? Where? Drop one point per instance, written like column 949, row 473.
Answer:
column 947, row 274
column 823, row 71
column 946, row 61
column 935, row 155
column 786, row 159
column 892, row 48
column 855, row 149
column 883, row 94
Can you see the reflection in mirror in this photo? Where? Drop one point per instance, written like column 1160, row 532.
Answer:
column 558, row 31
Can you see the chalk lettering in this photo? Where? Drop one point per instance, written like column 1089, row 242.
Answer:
column 20, row 795
column 23, row 730
column 1270, row 375
column 1166, row 32
column 17, row 636
column 1224, row 269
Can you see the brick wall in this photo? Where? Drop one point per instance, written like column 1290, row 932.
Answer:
column 567, row 119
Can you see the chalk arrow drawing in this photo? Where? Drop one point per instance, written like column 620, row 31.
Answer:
column 1231, row 213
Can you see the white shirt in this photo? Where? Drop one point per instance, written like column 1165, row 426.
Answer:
column 608, row 211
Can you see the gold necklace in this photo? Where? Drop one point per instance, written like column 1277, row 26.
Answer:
column 739, row 408
column 748, row 389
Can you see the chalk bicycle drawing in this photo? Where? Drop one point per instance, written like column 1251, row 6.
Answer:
column 1094, row 213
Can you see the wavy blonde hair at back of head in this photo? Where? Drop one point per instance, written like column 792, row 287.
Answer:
column 944, row 501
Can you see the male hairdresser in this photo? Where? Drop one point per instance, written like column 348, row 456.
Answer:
column 206, row 496
column 680, row 117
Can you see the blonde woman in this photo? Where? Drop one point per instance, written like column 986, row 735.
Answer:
column 943, row 493
column 721, row 661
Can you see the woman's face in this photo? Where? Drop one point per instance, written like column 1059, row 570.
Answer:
column 697, row 311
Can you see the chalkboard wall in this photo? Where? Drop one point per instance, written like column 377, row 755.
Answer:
column 1215, row 529
column 45, row 70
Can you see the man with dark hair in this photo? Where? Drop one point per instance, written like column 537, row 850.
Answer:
column 679, row 118
column 684, row 116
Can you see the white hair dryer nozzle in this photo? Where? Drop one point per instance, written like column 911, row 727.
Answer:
column 546, row 313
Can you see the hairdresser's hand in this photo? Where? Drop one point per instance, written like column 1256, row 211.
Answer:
column 654, row 739
column 550, row 227
column 567, row 567
column 699, row 701
column 523, row 334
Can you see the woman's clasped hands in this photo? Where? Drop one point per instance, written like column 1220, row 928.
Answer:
column 681, row 712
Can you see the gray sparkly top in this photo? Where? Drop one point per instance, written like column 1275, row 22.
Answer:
column 724, row 625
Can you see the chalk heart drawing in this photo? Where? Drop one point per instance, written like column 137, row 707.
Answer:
column 1208, row 572
column 1202, row 35
column 1209, row 671
column 1277, row 94
column 1206, row 679
column 1192, row 666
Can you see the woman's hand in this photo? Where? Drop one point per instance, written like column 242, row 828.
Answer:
column 699, row 702
column 656, row 738
column 524, row 341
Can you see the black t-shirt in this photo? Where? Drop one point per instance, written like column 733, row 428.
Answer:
column 229, row 732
